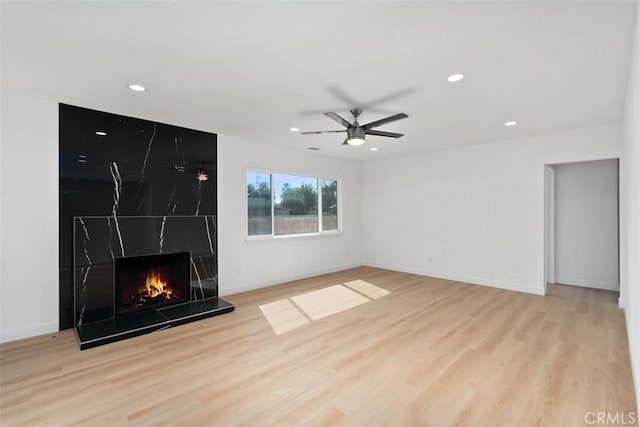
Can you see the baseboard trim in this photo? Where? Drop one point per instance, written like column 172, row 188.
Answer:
column 28, row 332
column 280, row 280
column 461, row 278
column 606, row 286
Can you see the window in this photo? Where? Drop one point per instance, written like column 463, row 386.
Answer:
column 259, row 202
column 282, row 204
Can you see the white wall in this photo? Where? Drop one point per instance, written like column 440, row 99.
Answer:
column 29, row 220
column 249, row 265
column 630, row 211
column 473, row 214
column 586, row 224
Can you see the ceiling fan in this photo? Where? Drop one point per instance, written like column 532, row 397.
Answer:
column 355, row 131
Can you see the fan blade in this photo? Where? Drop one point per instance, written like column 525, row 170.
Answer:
column 387, row 98
column 345, row 141
column 382, row 133
column 337, row 118
column 317, row 132
column 383, row 121
column 343, row 96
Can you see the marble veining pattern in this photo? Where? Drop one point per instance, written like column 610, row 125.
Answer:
column 117, row 185
column 206, row 223
column 198, row 196
column 110, row 238
column 146, row 156
column 164, row 221
column 195, row 269
column 84, row 271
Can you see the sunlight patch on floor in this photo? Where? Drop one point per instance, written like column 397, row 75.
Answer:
column 283, row 316
column 288, row 314
column 325, row 302
column 367, row 289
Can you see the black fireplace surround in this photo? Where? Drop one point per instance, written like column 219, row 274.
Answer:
column 138, row 228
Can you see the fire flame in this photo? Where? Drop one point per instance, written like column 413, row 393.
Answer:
column 155, row 286
column 154, row 289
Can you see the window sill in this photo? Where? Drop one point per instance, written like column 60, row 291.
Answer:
column 269, row 238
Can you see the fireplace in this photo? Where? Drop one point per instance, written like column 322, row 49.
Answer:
column 151, row 281
column 138, row 274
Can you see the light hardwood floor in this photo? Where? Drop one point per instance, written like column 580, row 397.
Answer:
column 432, row 352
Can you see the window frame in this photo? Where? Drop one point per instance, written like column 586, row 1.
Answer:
column 294, row 236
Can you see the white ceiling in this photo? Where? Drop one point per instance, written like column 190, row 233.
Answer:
column 254, row 69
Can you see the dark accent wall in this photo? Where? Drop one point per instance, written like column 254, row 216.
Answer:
column 139, row 168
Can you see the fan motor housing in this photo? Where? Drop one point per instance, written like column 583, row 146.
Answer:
column 356, row 132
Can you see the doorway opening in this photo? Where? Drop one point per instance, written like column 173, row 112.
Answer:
column 581, row 219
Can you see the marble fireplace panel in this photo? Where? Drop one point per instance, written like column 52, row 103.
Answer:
column 140, row 168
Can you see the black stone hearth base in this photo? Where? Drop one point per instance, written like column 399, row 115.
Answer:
column 112, row 330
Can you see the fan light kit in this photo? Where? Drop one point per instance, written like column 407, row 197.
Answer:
column 137, row 88
column 356, row 132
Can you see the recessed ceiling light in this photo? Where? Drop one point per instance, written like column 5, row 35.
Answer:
column 137, row 88
column 455, row 78
column 294, row 129
column 373, row 149
column 101, row 133
column 511, row 123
